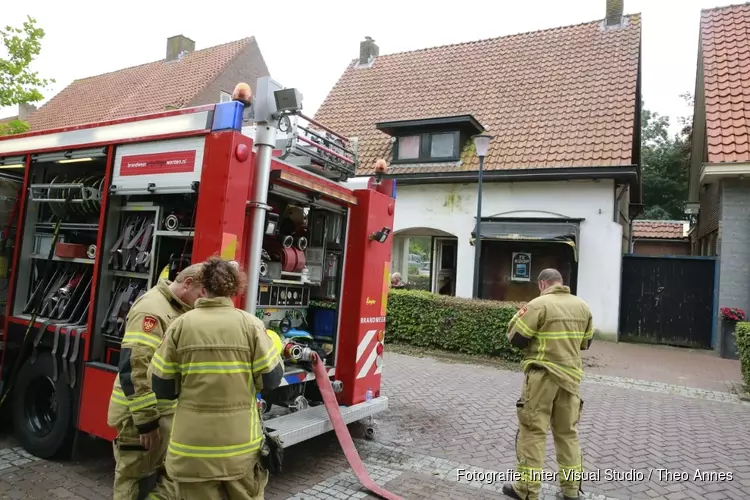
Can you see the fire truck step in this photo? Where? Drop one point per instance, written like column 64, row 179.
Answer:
column 300, row 426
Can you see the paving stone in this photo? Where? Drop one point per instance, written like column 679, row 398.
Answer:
column 449, row 416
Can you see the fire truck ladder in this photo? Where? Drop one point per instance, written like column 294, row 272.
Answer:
column 308, row 144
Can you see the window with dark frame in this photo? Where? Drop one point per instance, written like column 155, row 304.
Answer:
column 408, row 147
column 427, row 147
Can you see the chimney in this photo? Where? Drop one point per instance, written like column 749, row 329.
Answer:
column 177, row 46
column 368, row 51
column 25, row 110
column 614, row 13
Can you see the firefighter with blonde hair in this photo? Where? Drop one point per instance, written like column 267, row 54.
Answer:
column 213, row 362
column 141, row 420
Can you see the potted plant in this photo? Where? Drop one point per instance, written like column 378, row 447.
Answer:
column 730, row 317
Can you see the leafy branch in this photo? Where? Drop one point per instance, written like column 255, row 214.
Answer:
column 18, row 82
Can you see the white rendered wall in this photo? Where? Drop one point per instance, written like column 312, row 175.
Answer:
column 452, row 208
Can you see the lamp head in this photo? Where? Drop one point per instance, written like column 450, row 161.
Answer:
column 482, row 144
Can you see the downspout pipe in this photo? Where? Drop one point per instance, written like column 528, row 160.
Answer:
column 616, row 211
column 616, row 217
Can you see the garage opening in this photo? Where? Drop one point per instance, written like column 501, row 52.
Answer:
column 515, row 251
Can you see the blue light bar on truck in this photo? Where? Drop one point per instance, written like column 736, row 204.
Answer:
column 228, row 116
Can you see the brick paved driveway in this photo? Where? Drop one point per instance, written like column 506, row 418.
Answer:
column 672, row 365
column 450, row 416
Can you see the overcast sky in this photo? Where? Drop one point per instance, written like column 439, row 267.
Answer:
column 308, row 44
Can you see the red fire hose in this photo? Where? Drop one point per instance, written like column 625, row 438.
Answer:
column 292, row 260
column 345, row 439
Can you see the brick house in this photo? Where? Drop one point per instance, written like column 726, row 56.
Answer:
column 185, row 77
column 660, row 237
column 561, row 182
column 719, row 192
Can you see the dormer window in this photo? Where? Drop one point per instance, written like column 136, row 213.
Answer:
column 431, row 140
column 428, row 147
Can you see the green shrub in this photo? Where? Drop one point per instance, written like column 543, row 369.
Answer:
column 417, row 282
column 425, row 319
column 742, row 333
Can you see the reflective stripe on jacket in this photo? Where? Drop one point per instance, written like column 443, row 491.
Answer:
column 555, row 327
column 147, row 320
column 205, row 363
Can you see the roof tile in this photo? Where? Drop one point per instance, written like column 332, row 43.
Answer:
column 563, row 97
column 148, row 88
column 659, row 229
column 725, row 46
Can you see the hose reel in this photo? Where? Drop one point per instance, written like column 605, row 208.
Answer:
column 171, row 222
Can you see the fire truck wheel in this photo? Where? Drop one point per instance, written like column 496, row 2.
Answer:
column 42, row 409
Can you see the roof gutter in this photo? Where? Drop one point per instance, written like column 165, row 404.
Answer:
column 627, row 174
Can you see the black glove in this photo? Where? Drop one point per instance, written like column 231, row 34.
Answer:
column 272, row 454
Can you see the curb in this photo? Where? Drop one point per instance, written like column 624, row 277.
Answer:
column 739, row 389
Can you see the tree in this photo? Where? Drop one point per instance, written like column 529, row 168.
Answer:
column 18, row 82
column 665, row 164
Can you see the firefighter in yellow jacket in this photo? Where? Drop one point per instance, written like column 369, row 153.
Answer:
column 212, row 362
column 552, row 329
column 142, row 421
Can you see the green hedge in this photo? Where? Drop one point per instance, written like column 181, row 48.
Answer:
column 425, row 319
column 742, row 333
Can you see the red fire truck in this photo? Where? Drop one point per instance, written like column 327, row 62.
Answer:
column 107, row 209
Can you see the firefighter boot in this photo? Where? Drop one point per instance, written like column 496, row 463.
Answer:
column 508, row 491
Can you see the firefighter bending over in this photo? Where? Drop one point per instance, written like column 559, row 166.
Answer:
column 212, row 362
column 552, row 329
column 143, row 422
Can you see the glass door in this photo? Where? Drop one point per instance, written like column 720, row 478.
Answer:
column 444, row 266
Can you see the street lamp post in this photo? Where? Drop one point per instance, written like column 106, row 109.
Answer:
column 482, row 144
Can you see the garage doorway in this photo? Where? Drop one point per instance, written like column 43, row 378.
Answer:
column 515, row 250
column 497, row 278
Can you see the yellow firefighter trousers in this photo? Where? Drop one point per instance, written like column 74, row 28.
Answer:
column 139, row 474
column 543, row 404
column 249, row 487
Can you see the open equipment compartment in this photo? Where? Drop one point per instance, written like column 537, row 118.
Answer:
column 11, row 182
column 299, row 289
column 148, row 237
column 56, row 269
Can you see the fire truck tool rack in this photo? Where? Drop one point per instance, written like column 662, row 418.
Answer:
column 138, row 199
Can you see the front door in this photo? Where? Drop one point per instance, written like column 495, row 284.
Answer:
column 445, row 252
